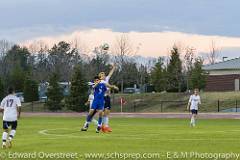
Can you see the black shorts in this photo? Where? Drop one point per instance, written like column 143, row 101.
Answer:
column 7, row 124
column 107, row 102
column 194, row 111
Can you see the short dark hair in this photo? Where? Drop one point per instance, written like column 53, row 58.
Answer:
column 11, row 90
column 96, row 77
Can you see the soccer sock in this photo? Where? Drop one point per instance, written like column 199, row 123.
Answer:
column 4, row 137
column 95, row 121
column 12, row 134
column 104, row 120
column 192, row 119
column 100, row 119
column 89, row 118
column 107, row 121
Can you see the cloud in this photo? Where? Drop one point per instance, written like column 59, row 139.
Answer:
column 207, row 17
column 150, row 43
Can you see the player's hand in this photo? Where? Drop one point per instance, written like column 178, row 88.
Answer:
column 116, row 88
column 113, row 65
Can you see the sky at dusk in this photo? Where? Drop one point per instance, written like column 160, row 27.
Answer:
column 152, row 25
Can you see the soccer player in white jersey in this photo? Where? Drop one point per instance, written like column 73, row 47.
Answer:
column 193, row 105
column 107, row 105
column 10, row 106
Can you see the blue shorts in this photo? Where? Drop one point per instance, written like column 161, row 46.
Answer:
column 8, row 124
column 107, row 102
column 97, row 105
column 194, row 111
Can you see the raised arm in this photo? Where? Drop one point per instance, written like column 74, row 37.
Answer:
column 112, row 71
column 112, row 86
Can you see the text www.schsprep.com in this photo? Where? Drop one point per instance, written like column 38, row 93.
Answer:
column 124, row 156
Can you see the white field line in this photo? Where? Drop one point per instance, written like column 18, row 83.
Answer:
column 136, row 136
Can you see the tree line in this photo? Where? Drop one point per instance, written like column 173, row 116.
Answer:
column 24, row 68
column 175, row 75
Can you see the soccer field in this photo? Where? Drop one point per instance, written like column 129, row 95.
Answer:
column 43, row 136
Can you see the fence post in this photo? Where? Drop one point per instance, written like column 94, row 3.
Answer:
column 236, row 106
column 161, row 106
column 218, row 106
column 113, row 98
column 32, row 106
column 134, row 107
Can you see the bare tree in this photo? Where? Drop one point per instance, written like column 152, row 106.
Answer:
column 122, row 49
column 213, row 55
column 188, row 58
column 5, row 46
column 38, row 47
column 80, row 45
column 188, row 63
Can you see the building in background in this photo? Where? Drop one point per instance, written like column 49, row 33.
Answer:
column 223, row 76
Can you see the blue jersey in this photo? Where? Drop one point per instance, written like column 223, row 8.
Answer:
column 99, row 92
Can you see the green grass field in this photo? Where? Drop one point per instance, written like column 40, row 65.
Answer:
column 130, row 135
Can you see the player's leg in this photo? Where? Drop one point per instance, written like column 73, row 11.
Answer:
column 12, row 133
column 95, row 122
column 90, row 115
column 100, row 119
column 5, row 134
column 193, row 118
column 93, row 119
column 106, row 120
column 107, row 109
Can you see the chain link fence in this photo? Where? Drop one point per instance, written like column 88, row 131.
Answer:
column 151, row 106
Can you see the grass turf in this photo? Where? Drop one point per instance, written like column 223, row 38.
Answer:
column 130, row 135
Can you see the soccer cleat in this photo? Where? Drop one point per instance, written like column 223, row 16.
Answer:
column 104, row 129
column 192, row 125
column 4, row 146
column 98, row 129
column 84, row 129
column 109, row 129
column 9, row 144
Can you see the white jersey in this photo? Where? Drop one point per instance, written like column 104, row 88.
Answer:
column 106, row 81
column 10, row 105
column 195, row 101
column 90, row 99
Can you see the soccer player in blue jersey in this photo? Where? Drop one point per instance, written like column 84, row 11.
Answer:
column 98, row 103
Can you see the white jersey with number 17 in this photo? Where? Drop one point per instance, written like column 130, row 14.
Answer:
column 10, row 105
